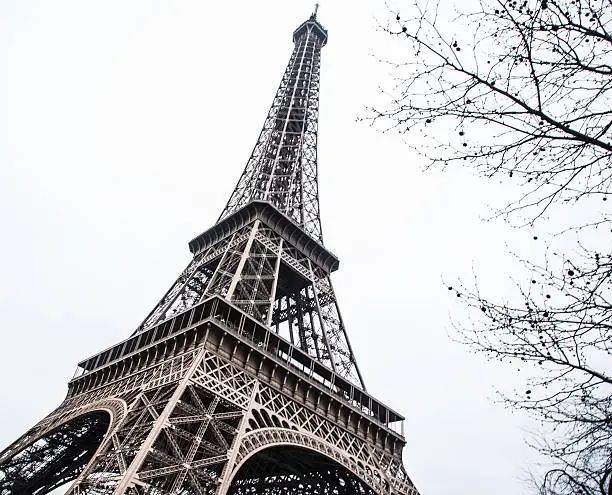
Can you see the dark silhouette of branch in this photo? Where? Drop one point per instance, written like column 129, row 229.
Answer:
column 528, row 95
column 526, row 91
column 561, row 334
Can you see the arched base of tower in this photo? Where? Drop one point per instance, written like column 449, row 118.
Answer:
column 296, row 471
column 55, row 458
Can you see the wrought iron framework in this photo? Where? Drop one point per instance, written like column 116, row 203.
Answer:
column 259, row 267
column 242, row 379
column 282, row 169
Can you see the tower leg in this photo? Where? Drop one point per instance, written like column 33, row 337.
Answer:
column 176, row 438
column 206, row 422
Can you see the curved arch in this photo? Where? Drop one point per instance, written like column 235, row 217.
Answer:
column 58, row 449
column 116, row 408
column 269, row 439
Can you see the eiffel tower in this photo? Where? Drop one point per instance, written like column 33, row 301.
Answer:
column 242, row 379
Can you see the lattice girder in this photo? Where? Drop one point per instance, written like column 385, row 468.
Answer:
column 257, row 268
column 192, row 434
column 282, row 168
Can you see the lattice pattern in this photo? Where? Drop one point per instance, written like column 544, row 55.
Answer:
column 225, row 379
column 191, row 284
column 178, row 435
column 64, row 414
column 283, row 166
column 175, row 438
column 311, row 317
column 48, row 457
column 301, row 306
column 299, row 470
column 260, row 439
column 307, row 421
column 138, row 374
column 190, row 453
column 121, row 448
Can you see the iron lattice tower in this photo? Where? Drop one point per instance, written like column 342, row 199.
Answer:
column 242, row 379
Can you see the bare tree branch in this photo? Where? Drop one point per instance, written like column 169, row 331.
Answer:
column 525, row 89
column 528, row 95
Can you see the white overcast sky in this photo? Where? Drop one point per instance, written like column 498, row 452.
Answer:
column 124, row 126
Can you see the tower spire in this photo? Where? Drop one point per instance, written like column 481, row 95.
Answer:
column 282, row 168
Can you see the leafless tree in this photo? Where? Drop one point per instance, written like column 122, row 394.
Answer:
column 562, row 337
column 525, row 88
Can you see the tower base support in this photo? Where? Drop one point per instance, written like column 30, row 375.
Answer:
column 197, row 418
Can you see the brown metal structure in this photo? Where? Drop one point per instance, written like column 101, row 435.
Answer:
column 242, row 379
